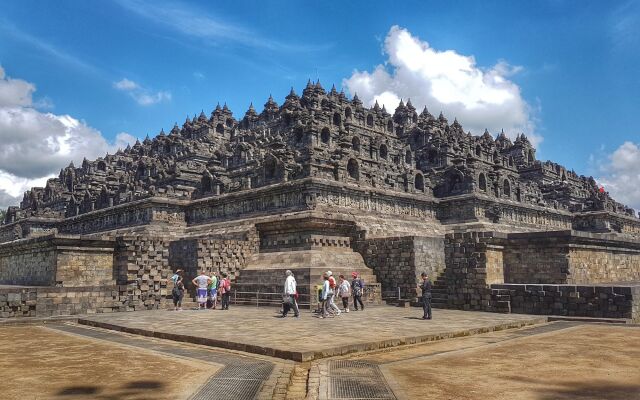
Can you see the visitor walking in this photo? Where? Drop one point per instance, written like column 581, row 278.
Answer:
column 201, row 282
column 289, row 295
column 224, row 288
column 213, row 290
column 326, row 288
column 357, row 289
column 426, row 295
column 344, row 291
column 178, row 290
column 331, row 295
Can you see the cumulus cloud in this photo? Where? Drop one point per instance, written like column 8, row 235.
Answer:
column 141, row 95
column 620, row 174
column 445, row 81
column 35, row 145
column 14, row 92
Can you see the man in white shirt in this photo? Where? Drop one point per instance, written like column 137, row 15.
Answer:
column 289, row 295
column 201, row 282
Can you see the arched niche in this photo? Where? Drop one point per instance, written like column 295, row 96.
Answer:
column 482, row 183
column 337, row 119
column 506, row 188
column 419, row 182
column 384, row 152
column 353, row 169
column 355, row 143
column 325, row 135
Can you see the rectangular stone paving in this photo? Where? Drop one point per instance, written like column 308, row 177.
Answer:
column 258, row 330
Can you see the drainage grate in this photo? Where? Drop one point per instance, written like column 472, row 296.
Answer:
column 225, row 389
column 355, row 368
column 260, row 371
column 357, row 380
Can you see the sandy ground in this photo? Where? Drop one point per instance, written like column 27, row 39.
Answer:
column 38, row 363
column 584, row 362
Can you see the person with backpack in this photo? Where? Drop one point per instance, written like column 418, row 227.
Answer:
column 178, row 290
column 357, row 289
column 331, row 294
column 225, row 290
column 344, row 291
column 213, row 290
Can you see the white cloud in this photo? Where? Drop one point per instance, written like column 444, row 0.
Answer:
column 445, row 81
column 620, row 174
column 142, row 96
column 215, row 30
column 125, row 84
column 14, row 92
column 35, row 145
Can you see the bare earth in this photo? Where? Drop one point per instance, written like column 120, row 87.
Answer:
column 583, row 362
column 37, row 363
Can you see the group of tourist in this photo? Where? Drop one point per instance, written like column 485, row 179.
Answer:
column 207, row 290
column 330, row 289
column 209, row 287
column 343, row 289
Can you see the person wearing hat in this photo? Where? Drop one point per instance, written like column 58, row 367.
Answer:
column 426, row 295
column 332, row 294
column 357, row 289
column 177, row 293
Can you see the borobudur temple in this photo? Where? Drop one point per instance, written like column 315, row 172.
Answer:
column 323, row 182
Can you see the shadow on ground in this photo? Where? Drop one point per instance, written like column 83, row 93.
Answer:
column 130, row 390
column 597, row 389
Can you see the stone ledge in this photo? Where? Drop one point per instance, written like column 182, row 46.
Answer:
column 303, row 356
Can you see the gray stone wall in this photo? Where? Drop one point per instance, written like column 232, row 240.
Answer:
column 544, row 262
column 57, row 260
column 142, row 265
column 212, row 254
column 56, row 301
column 567, row 300
column 399, row 261
column 568, row 257
column 466, row 270
column 29, row 265
column 601, row 264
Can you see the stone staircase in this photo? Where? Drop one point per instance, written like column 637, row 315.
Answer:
column 262, row 282
column 439, row 297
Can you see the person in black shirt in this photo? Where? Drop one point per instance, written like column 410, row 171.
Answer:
column 426, row 295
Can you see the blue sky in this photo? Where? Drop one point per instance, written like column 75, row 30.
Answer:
column 136, row 67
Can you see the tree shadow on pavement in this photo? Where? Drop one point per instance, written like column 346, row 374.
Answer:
column 130, row 390
column 595, row 389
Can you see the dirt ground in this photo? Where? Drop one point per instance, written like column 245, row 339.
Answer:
column 38, row 363
column 584, row 362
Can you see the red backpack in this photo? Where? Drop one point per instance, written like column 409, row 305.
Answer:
column 332, row 282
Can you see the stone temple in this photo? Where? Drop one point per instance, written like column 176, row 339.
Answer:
column 323, row 182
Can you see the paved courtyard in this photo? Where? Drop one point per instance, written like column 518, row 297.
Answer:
column 260, row 331
column 39, row 363
column 566, row 362
column 475, row 358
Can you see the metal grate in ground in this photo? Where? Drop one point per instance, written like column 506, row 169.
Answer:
column 355, row 380
column 241, row 378
column 226, row 389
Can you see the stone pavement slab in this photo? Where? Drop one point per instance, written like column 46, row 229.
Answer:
column 258, row 330
column 578, row 361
